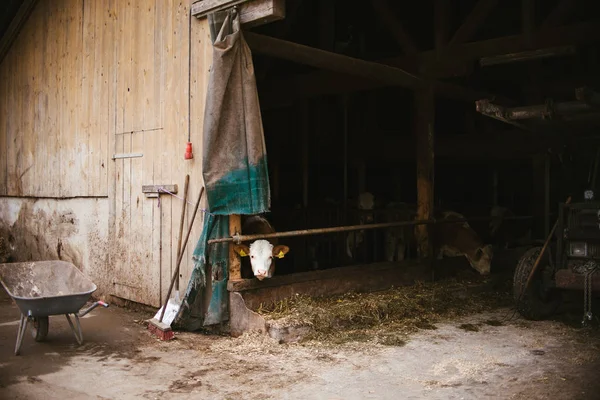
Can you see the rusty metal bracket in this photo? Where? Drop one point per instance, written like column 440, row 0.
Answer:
column 495, row 111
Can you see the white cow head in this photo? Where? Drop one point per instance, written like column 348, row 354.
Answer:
column 261, row 254
column 482, row 259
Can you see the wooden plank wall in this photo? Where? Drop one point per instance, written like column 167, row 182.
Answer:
column 87, row 79
column 55, row 113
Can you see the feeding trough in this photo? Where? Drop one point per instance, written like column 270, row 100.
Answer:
column 44, row 288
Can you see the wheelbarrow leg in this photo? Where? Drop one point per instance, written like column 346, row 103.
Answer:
column 21, row 333
column 77, row 332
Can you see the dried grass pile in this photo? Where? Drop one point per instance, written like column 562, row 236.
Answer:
column 385, row 317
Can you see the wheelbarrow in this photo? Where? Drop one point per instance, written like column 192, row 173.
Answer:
column 44, row 288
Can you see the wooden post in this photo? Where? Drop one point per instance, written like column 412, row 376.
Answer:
column 424, row 124
column 235, row 226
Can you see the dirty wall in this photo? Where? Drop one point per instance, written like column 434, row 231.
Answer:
column 74, row 230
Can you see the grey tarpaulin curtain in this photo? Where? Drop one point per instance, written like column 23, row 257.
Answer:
column 234, row 168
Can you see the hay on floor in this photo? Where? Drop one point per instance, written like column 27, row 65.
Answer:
column 385, row 317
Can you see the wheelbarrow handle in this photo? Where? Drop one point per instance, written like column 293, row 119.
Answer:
column 90, row 308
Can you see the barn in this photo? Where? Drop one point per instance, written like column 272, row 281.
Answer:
column 108, row 106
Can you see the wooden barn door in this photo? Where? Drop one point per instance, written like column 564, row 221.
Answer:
column 138, row 219
column 150, row 100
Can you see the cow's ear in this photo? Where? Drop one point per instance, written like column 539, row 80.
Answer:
column 241, row 249
column 280, row 251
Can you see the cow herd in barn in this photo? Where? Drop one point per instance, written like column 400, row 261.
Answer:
column 448, row 239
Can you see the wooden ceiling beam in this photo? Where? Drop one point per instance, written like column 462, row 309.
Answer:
column 471, row 52
column 449, row 63
column 394, row 27
column 384, row 74
column 473, row 21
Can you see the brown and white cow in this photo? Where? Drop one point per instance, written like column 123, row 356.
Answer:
column 448, row 240
column 453, row 239
column 261, row 253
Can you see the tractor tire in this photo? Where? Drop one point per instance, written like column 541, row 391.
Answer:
column 537, row 302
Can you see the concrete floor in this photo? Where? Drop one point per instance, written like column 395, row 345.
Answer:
column 121, row 360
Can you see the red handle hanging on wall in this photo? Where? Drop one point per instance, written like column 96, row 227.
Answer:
column 188, row 151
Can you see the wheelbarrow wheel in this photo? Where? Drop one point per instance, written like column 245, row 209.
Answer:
column 39, row 331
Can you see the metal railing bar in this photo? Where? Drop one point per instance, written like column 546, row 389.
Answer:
column 349, row 228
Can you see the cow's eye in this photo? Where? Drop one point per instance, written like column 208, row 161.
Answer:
column 252, row 256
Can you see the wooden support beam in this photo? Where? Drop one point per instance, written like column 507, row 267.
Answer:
column 384, row 74
column 559, row 14
column 424, row 136
column 322, row 59
column 473, row 21
column 202, row 8
column 569, row 35
column 15, row 26
column 456, row 62
column 261, row 12
column 394, row 27
column 252, row 13
column 235, row 265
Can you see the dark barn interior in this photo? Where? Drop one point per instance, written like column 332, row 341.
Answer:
column 498, row 83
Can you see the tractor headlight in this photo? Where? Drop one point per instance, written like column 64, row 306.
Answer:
column 578, row 249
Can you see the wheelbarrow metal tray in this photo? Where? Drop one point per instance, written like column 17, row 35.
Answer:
column 43, row 288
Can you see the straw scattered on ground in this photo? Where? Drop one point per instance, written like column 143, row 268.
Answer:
column 385, row 317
